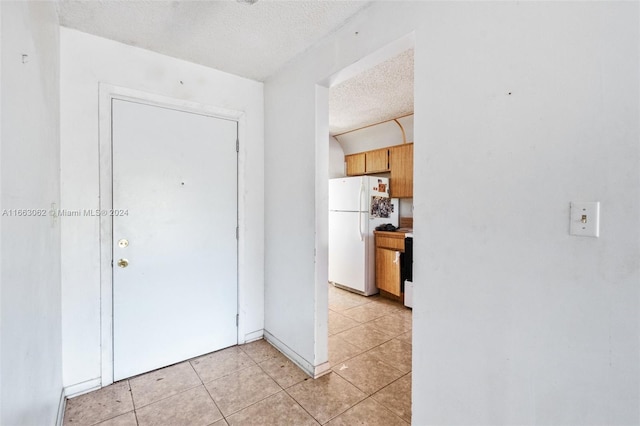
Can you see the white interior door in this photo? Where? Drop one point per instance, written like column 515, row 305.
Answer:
column 175, row 204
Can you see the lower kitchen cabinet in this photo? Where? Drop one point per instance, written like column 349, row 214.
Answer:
column 389, row 246
column 388, row 270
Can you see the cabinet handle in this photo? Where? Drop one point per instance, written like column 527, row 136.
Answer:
column 397, row 259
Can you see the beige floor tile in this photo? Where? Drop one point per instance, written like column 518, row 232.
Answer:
column 163, row 383
column 394, row 325
column 339, row 299
column 340, row 350
column 341, row 303
column 406, row 337
column 221, row 422
column 192, row 407
column 395, row 353
column 260, row 350
column 364, row 313
column 369, row 413
column 387, row 306
column 339, row 323
column 277, row 410
column 100, row 405
column 397, row 397
column 283, row 371
column 240, row 389
column 406, row 314
column 215, row 365
column 326, row 397
column 364, row 336
column 128, row 419
column 367, row 373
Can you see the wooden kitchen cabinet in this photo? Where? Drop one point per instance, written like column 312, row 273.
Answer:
column 355, row 164
column 401, row 165
column 389, row 245
column 377, row 161
column 388, row 270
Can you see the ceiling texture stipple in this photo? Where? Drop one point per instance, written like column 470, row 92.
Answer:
column 381, row 93
column 252, row 41
column 249, row 40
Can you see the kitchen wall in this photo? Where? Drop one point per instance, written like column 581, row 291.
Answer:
column 380, row 136
column 30, row 328
column 86, row 61
column 520, row 108
column 336, row 159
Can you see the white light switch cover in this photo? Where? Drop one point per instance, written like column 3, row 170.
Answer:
column 585, row 219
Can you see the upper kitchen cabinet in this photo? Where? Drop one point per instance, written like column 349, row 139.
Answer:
column 376, row 161
column 355, row 164
column 401, row 165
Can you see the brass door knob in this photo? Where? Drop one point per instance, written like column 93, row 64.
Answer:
column 123, row 263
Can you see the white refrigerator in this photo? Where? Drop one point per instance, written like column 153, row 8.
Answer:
column 356, row 206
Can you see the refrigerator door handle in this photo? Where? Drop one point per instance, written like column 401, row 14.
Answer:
column 360, row 209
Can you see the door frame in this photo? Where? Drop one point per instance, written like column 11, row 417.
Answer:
column 108, row 92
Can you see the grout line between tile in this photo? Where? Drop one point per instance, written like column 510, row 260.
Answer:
column 216, row 404
column 301, row 406
column 167, row 397
column 231, row 372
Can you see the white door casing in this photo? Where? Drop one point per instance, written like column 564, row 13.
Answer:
column 177, row 298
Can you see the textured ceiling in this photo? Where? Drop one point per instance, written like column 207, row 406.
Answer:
column 249, row 40
column 253, row 41
column 381, row 93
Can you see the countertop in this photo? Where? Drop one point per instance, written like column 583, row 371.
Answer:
column 408, row 232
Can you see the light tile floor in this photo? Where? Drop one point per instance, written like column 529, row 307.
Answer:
column 254, row 384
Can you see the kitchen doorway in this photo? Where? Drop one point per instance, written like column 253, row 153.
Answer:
column 363, row 327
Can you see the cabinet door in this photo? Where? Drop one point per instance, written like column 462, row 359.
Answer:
column 355, row 164
column 377, row 161
column 388, row 270
column 401, row 164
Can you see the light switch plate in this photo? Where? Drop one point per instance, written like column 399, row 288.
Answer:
column 585, row 219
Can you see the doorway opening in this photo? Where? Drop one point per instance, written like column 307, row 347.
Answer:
column 370, row 150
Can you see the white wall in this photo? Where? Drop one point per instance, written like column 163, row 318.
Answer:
column 515, row 321
column 85, row 62
column 31, row 368
column 379, row 136
column 336, row 159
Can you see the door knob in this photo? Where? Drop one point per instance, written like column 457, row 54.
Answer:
column 123, row 263
column 123, row 243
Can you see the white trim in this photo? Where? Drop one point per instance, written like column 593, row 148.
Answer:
column 290, row 353
column 82, row 388
column 62, row 404
column 107, row 92
column 313, row 371
column 322, row 369
column 250, row 337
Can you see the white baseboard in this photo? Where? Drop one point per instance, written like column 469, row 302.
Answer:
column 61, row 406
column 321, row 370
column 254, row 335
column 84, row 387
column 306, row 366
